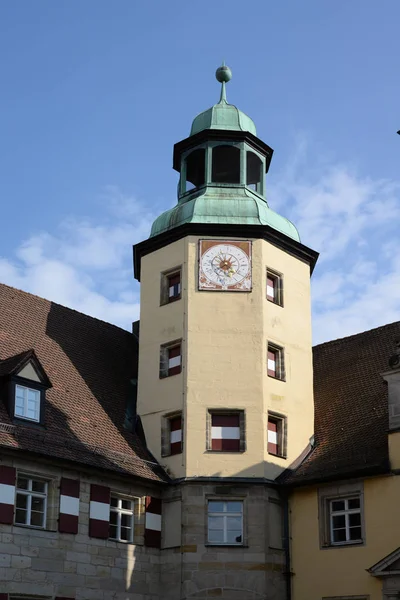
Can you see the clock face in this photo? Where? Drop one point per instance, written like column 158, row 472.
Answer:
column 225, row 265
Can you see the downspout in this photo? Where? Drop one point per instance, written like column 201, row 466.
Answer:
column 286, row 545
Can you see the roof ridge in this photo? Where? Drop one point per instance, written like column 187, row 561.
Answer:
column 10, row 287
column 355, row 335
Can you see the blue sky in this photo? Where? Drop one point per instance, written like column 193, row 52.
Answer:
column 94, row 94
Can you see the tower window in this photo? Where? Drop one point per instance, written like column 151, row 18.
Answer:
column 170, row 286
column 276, row 363
column 171, row 434
column 254, row 172
column 225, row 522
column 226, row 431
column 226, row 164
column 274, row 287
column 170, row 360
column 195, row 169
column 276, row 435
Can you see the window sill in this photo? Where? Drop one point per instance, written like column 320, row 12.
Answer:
column 208, row 545
column 120, row 541
column 277, row 455
column 274, row 302
column 225, row 451
column 34, row 527
column 277, row 378
column 344, row 544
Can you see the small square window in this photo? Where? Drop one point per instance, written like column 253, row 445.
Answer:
column 225, row 522
column 274, row 287
column 121, row 519
column 276, row 435
column 345, row 520
column 170, row 286
column 170, row 359
column 31, row 502
column 27, row 403
column 276, row 364
column 226, row 431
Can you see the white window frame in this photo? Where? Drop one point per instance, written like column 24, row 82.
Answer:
column 225, row 516
column 345, row 512
column 123, row 511
column 31, row 494
column 27, row 389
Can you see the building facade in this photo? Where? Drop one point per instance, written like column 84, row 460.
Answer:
column 182, row 460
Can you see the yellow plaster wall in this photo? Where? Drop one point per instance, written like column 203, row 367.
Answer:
column 341, row 571
column 225, row 337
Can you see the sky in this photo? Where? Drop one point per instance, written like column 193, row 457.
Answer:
column 94, row 94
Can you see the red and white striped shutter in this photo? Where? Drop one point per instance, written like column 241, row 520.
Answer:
column 174, row 360
column 152, row 532
column 225, row 433
column 271, row 288
column 69, row 506
column 272, row 437
column 174, row 287
column 99, row 511
column 271, row 363
column 7, row 494
column 175, row 426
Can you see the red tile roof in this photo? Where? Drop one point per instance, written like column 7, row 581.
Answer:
column 90, row 364
column 351, row 407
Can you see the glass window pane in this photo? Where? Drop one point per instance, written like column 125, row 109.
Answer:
column 338, row 521
column 33, row 396
column 216, row 523
column 355, row 520
column 113, row 532
column 339, row 535
column 127, row 504
column 19, row 392
column 22, row 483
column 37, row 519
column 32, row 414
column 355, row 533
column 234, row 537
column 125, row 534
column 216, row 536
column 234, row 506
column 114, row 501
column 113, row 517
column 354, row 503
column 234, row 523
column 126, row 520
column 338, row 505
column 37, row 504
column 20, row 516
column 19, row 411
column 22, row 501
column 215, row 507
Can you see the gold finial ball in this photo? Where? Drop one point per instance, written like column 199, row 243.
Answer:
column 223, row 74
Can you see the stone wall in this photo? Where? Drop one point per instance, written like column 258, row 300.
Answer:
column 197, row 570
column 50, row 564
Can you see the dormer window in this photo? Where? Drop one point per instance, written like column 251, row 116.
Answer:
column 27, row 403
column 24, row 387
column 225, row 164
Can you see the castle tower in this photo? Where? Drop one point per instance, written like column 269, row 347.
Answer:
column 225, row 363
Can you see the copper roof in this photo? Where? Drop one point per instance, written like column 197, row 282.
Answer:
column 91, row 365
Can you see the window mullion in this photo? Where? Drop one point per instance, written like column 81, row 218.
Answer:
column 29, row 509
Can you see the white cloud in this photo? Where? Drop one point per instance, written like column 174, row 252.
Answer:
column 352, row 221
column 86, row 264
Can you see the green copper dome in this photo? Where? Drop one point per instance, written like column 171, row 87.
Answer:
column 223, row 115
column 222, row 174
column 235, row 206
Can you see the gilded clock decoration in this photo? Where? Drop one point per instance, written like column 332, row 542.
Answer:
column 225, row 265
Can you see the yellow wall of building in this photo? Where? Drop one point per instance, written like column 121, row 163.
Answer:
column 394, row 449
column 225, row 337
column 341, row 571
